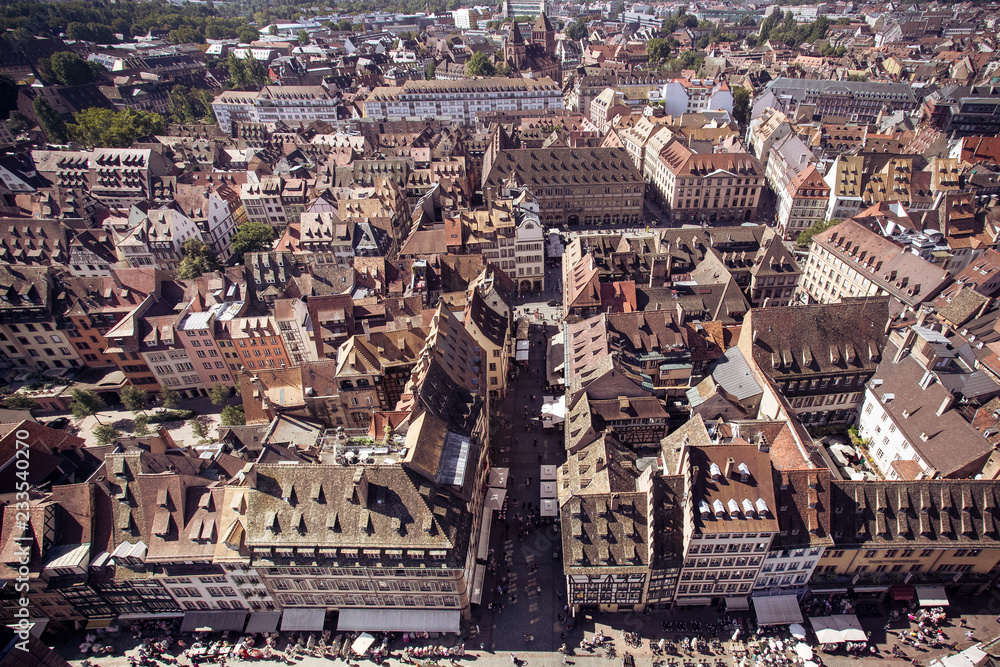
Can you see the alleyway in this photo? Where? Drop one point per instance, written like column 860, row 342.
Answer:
column 525, row 548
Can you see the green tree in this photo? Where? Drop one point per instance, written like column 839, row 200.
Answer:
column 219, row 394
column 8, row 95
column 50, row 121
column 232, row 415
column 658, row 50
column 86, row 403
column 135, row 399
column 479, row 65
column 199, row 428
column 806, row 238
column 741, row 104
column 44, row 68
column 141, row 427
column 19, row 402
column 345, row 25
column 105, row 434
column 255, row 71
column 577, row 30
column 431, row 70
column 18, row 123
column 198, row 259
column 70, row 69
column 247, row 34
column 105, row 128
column 171, row 399
column 303, row 38
column 251, row 236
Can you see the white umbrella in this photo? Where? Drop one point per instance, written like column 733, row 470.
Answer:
column 362, row 643
column 809, row 663
column 797, row 631
column 803, row 651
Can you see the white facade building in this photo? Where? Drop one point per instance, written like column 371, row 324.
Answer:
column 462, row 100
column 289, row 104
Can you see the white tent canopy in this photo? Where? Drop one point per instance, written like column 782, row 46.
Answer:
column 550, row 507
column 494, row 498
column 554, row 409
column 548, row 473
column 548, row 490
column 777, row 610
column 362, row 643
column 837, row 629
column 932, row 596
column 498, row 477
column 970, row 657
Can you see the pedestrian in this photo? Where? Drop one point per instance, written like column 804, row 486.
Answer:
column 968, row 634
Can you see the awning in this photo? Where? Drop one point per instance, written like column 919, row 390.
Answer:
column 303, row 619
column 837, row 629
column 484, row 533
column 737, row 604
column 498, row 477
column 548, row 490
column 477, row 584
column 159, row 614
column 693, row 602
column 399, row 620
column 95, row 623
column 932, row 596
column 521, row 355
column 548, row 473
column 776, row 610
column 214, row 621
column 550, row 507
column 901, row 592
column 263, row 621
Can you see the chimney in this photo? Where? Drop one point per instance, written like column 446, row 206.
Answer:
column 927, row 380
column 730, row 462
column 945, row 404
column 922, row 317
column 623, row 403
column 680, row 314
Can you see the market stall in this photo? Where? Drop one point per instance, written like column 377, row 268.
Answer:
column 932, row 596
column 837, row 629
column 777, row 610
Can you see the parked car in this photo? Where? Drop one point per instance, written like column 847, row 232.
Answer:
column 58, row 423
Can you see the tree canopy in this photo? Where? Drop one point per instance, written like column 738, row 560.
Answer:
column 805, row 238
column 479, row 65
column 19, row 402
column 577, row 30
column 251, row 236
column 198, row 259
column 219, row 394
column 741, row 104
column 232, row 415
column 86, row 403
column 50, row 121
column 189, row 106
column 70, row 69
column 135, row 399
column 106, row 128
column 658, row 50
column 245, row 72
column 784, row 28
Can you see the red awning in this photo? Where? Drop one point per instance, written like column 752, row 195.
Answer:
column 902, row 592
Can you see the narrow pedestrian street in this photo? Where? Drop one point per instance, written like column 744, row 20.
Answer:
column 523, row 595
